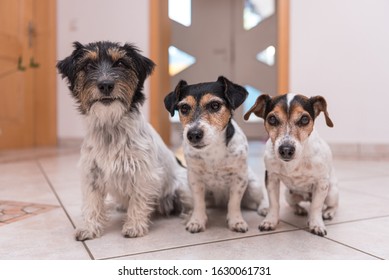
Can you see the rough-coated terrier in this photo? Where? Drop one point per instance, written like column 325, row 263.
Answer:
column 298, row 157
column 215, row 150
column 122, row 155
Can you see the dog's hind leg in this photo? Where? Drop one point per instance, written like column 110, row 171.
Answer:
column 255, row 197
column 293, row 200
column 178, row 199
column 331, row 203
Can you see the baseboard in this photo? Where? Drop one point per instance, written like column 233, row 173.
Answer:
column 360, row 151
column 70, row 142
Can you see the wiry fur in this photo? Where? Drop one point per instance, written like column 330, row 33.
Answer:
column 122, row 155
column 218, row 171
column 297, row 156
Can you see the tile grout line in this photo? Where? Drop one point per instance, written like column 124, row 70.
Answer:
column 306, row 229
column 337, row 223
column 61, row 204
column 199, row 244
column 358, row 220
column 356, row 249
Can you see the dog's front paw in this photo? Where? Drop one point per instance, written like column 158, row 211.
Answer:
column 238, row 225
column 195, row 225
column 82, row 234
column 131, row 231
column 317, row 228
column 267, row 225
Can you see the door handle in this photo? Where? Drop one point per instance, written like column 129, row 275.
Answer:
column 33, row 63
column 20, row 64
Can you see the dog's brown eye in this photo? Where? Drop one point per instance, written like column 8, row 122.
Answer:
column 214, row 106
column 89, row 66
column 273, row 121
column 184, row 109
column 118, row 63
column 303, row 121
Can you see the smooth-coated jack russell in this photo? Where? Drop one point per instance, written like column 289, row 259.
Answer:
column 215, row 150
column 298, row 157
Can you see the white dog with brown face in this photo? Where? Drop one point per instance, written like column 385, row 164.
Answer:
column 298, row 157
column 215, row 150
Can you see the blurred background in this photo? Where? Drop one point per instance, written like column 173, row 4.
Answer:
column 337, row 49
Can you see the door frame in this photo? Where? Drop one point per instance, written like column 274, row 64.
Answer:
column 159, row 43
column 45, row 76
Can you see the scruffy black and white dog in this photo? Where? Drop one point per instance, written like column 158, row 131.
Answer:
column 122, row 155
column 215, row 150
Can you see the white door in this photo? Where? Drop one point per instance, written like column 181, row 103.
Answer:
column 234, row 38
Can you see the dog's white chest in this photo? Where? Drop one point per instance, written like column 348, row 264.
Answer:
column 122, row 161
column 219, row 167
column 302, row 174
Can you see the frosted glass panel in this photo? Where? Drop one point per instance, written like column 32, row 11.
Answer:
column 256, row 11
column 267, row 56
column 179, row 60
column 181, row 11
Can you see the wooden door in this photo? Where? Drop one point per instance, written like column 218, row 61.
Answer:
column 16, row 84
column 27, row 73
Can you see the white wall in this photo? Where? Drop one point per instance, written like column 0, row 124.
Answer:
column 340, row 49
column 95, row 20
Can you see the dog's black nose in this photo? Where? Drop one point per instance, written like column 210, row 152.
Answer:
column 195, row 135
column 106, row 87
column 286, row 151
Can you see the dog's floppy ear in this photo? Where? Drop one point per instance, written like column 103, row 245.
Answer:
column 319, row 104
column 143, row 65
column 259, row 108
column 172, row 98
column 235, row 94
column 67, row 66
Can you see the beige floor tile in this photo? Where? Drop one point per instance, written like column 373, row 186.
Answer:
column 45, row 236
column 377, row 186
column 350, row 170
column 63, row 169
column 368, row 236
column 292, row 245
column 24, row 182
column 168, row 233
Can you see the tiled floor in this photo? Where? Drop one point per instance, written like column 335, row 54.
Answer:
column 40, row 202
